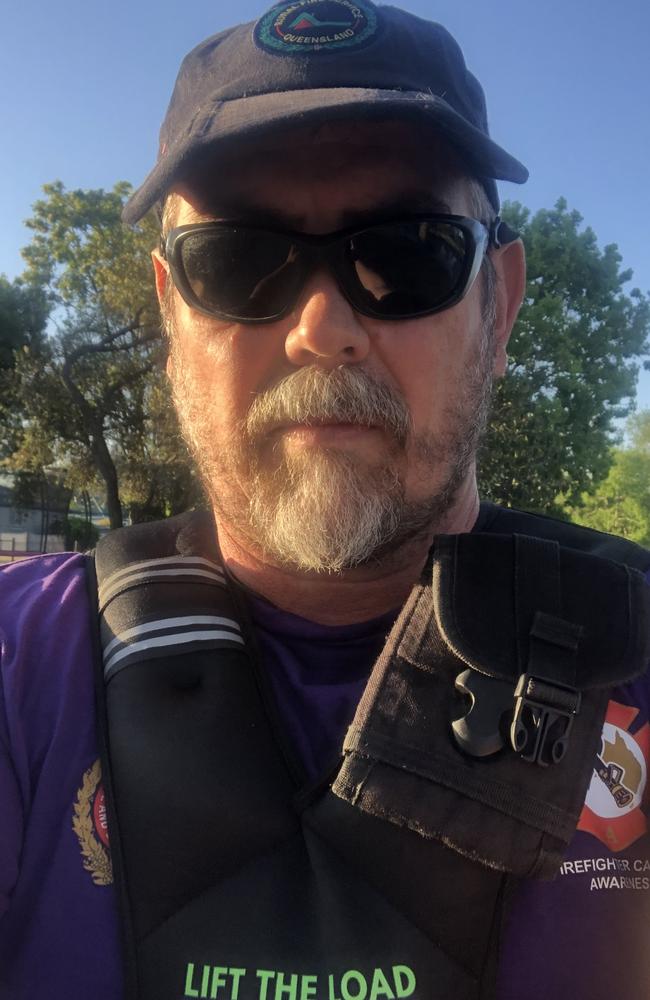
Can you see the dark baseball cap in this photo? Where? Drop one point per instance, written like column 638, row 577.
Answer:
column 309, row 61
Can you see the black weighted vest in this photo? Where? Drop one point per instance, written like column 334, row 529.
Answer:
column 388, row 879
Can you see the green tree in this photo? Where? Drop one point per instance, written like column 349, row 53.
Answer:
column 78, row 533
column 24, row 311
column 158, row 477
column 86, row 394
column 573, row 365
column 23, row 317
column 621, row 502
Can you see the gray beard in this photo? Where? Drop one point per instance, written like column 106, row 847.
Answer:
column 322, row 509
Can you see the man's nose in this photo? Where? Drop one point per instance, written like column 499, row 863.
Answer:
column 325, row 330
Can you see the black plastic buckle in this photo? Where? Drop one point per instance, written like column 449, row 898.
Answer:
column 480, row 732
column 543, row 719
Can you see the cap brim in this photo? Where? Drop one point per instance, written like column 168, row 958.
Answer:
column 250, row 117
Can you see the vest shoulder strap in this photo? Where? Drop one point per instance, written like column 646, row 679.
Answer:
column 506, row 520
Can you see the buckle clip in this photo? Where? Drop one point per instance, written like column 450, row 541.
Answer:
column 543, row 719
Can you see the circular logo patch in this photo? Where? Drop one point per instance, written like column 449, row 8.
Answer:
column 614, row 807
column 619, row 777
column 297, row 26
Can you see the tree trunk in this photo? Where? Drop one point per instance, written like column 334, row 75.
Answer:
column 42, row 489
column 106, row 468
column 46, row 523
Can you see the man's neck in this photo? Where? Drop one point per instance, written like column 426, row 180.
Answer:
column 354, row 595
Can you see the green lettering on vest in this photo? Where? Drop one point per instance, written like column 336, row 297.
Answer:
column 404, row 979
column 189, row 976
column 308, row 986
column 218, row 979
column 380, row 987
column 265, row 976
column 352, row 976
column 236, row 976
column 288, row 990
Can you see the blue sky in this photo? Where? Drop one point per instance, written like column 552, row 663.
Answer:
column 85, row 86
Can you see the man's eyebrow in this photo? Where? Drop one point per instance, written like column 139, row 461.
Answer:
column 245, row 212
column 421, row 203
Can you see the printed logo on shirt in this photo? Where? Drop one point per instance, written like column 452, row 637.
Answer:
column 89, row 824
column 612, row 810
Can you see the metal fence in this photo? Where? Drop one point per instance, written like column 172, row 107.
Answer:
column 18, row 544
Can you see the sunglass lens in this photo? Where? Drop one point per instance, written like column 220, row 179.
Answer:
column 409, row 268
column 241, row 273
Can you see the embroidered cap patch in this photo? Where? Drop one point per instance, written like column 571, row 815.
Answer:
column 299, row 26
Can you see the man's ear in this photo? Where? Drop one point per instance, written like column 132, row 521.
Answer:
column 161, row 274
column 162, row 277
column 510, row 265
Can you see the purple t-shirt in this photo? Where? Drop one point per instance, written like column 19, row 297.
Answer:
column 579, row 936
column 59, row 937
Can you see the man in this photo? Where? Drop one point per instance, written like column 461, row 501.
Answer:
column 285, row 819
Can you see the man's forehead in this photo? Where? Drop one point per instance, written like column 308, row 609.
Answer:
column 361, row 163
column 353, row 136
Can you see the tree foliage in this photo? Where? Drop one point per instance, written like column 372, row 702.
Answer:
column 78, row 533
column 621, row 502
column 573, row 364
column 92, row 394
column 23, row 316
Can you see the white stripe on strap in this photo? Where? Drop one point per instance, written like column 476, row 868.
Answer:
column 162, row 641
column 168, row 624
column 181, row 562
column 106, row 593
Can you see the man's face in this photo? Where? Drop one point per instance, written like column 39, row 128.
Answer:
column 328, row 438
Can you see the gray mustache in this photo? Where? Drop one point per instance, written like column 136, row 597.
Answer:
column 343, row 395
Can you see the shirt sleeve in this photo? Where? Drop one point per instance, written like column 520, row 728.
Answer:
column 40, row 600
column 11, row 806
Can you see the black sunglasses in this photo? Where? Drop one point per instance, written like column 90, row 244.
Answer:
column 391, row 270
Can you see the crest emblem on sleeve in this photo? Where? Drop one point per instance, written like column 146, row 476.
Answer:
column 90, row 826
